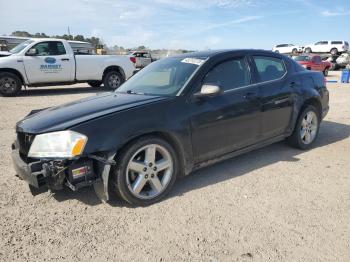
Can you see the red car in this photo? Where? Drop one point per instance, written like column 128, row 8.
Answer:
column 314, row 62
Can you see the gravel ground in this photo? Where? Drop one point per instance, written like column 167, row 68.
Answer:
column 274, row 204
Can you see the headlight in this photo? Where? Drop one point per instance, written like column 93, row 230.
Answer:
column 60, row 144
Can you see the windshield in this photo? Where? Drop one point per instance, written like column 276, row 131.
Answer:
column 20, row 47
column 302, row 58
column 164, row 77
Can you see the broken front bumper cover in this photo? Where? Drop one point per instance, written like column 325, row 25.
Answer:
column 32, row 173
column 44, row 174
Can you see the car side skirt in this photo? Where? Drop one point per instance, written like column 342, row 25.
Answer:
column 239, row 152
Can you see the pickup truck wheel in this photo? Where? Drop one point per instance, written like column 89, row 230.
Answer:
column 10, row 84
column 325, row 71
column 145, row 172
column 113, row 80
column 306, row 129
column 94, row 83
column 308, row 50
column 334, row 51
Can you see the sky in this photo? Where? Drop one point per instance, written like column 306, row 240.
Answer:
column 181, row 24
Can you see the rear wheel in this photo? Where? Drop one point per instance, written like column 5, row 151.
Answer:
column 294, row 51
column 94, row 83
column 334, row 51
column 113, row 80
column 306, row 129
column 308, row 50
column 146, row 171
column 10, row 84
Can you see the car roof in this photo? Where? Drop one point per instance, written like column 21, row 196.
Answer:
column 212, row 53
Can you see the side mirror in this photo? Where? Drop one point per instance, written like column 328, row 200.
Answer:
column 31, row 52
column 208, row 90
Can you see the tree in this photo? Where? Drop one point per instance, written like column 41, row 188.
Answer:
column 141, row 47
column 21, row 34
column 79, row 38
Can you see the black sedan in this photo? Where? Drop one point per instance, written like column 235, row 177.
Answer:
column 176, row 115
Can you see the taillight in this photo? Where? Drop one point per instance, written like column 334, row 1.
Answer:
column 133, row 59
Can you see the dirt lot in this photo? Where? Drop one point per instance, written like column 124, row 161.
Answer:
column 274, row 204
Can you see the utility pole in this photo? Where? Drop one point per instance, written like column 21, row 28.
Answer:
column 68, row 32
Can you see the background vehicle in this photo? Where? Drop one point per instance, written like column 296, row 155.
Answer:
column 39, row 62
column 142, row 58
column 314, row 62
column 343, row 60
column 138, row 140
column 333, row 47
column 287, row 49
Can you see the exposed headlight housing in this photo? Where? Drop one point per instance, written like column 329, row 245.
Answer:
column 62, row 144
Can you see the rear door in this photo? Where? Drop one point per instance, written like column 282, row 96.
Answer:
column 276, row 94
column 50, row 64
column 229, row 121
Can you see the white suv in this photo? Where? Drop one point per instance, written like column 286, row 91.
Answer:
column 287, row 49
column 333, row 47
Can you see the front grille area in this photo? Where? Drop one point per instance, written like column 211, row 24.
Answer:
column 24, row 140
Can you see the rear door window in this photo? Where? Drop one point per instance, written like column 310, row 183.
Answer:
column 269, row 68
column 229, row 75
column 337, row 42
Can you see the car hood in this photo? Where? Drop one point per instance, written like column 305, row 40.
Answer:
column 5, row 53
column 71, row 114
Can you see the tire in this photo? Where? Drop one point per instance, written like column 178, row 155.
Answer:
column 334, row 51
column 277, row 51
column 94, row 83
column 113, row 80
column 295, row 51
column 10, row 84
column 308, row 50
column 299, row 138
column 325, row 71
column 154, row 185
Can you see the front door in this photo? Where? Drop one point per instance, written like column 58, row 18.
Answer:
column 50, row 64
column 229, row 121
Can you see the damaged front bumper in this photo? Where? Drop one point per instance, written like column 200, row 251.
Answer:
column 55, row 174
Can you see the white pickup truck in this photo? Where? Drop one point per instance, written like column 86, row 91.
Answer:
column 43, row 62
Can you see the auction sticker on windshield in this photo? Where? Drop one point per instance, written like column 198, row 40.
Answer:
column 195, row 61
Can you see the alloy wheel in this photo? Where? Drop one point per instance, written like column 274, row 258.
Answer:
column 308, row 128
column 149, row 171
column 114, row 81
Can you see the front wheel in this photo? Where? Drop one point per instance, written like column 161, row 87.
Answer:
column 325, row 71
column 146, row 171
column 295, row 51
column 306, row 129
column 10, row 84
column 113, row 80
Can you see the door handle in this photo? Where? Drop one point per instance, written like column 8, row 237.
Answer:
column 65, row 59
column 250, row 96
